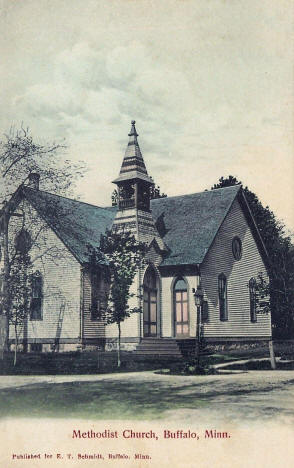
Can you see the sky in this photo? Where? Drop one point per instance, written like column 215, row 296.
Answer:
column 209, row 83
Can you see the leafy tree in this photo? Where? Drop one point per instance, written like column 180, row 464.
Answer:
column 281, row 265
column 155, row 192
column 21, row 156
column 226, row 182
column 114, row 198
column 125, row 256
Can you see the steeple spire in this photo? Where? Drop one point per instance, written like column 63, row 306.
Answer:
column 133, row 186
column 133, row 133
column 133, row 166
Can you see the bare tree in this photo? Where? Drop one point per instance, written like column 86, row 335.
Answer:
column 19, row 291
column 21, row 157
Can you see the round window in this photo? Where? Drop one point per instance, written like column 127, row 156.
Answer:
column 237, row 248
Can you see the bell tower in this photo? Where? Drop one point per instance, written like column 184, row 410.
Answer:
column 133, row 181
column 133, row 185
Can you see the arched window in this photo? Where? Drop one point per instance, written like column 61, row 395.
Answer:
column 237, row 248
column 204, row 312
column 222, row 296
column 252, row 295
column 181, row 314
column 23, row 242
column 150, row 303
column 37, row 296
column 94, row 295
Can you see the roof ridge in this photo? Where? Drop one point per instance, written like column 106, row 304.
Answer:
column 113, row 207
column 196, row 193
column 66, row 198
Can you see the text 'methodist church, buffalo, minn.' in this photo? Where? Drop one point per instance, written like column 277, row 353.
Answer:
column 209, row 236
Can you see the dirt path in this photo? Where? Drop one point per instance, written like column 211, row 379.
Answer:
column 244, row 397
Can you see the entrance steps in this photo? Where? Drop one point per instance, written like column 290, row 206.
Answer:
column 158, row 347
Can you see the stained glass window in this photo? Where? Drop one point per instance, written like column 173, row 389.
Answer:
column 237, row 248
column 252, row 295
column 222, row 295
column 36, row 296
column 181, row 313
column 150, row 303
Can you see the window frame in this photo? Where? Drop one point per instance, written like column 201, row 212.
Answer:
column 95, row 299
column 181, row 301
column 223, row 297
column 205, row 312
column 23, row 241
column 237, row 254
column 36, row 317
column 252, row 299
column 150, row 297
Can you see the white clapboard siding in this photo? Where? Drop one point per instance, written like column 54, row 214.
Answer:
column 220, row 260
column 130, row 328
column 91, row 328
column 61, row 284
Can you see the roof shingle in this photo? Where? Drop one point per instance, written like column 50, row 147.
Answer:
column 76, row 223
column 188, row 224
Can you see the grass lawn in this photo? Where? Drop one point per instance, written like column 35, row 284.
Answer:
column 122, row 397
column 117, row 399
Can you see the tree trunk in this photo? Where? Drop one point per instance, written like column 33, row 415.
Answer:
column 2, row 335
column 16, row 344
column 5, row 298
column 272, row 355
column 98, row 357
column 118, row 349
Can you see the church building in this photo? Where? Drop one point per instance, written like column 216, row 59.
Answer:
column 207, row 239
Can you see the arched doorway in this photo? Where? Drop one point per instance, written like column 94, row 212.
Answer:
column 150, row 303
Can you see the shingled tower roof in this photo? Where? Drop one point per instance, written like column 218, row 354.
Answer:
column 133, row 166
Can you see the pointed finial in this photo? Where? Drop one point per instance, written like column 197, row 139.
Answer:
column 133, row 131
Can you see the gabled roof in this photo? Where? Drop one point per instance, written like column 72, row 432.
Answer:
column 77, row 224
column 188, row 224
